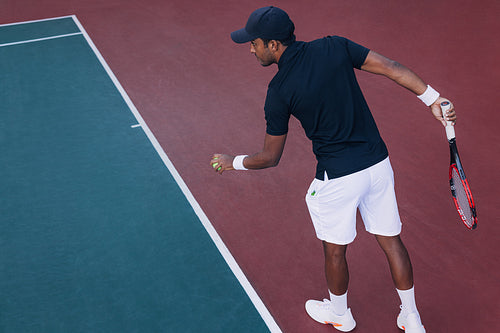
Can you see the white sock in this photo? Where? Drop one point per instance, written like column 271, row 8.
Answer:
column 408, row 300
column 339, row 303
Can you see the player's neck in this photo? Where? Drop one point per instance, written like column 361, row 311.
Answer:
column 279, row 52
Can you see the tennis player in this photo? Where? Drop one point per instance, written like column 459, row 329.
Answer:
column 316, row 83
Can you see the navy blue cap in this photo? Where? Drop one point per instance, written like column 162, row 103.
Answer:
column 268, row 23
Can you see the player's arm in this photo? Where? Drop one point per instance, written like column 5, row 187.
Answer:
column 378, row 64
column 269, row 156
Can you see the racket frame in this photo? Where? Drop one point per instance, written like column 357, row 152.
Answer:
column 455, row 164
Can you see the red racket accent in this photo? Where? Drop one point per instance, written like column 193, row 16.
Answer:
column 462, row 197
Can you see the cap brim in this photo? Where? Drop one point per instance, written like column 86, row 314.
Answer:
column 241, row 36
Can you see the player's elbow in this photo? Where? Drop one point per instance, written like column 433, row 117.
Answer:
column 395, row 70
column 274, row 162
column 271, row 160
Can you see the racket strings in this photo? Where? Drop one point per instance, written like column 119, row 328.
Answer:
column 462, row 198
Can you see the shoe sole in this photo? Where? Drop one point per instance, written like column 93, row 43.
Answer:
column 337, row 326
column 402, row 327
column 340, row 326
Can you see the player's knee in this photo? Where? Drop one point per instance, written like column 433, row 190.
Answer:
column 334, row 253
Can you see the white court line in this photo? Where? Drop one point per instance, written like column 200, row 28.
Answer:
column 228, row 257
column 35, row 21
column 40, row 39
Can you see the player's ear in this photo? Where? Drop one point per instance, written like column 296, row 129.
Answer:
column 273, row 45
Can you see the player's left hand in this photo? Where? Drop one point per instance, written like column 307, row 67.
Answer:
column 221, row 163
column 438, row 114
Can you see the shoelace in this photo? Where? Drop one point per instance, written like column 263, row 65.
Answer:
column 326, row 302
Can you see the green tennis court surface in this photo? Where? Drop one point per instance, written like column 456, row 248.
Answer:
column 96, row 233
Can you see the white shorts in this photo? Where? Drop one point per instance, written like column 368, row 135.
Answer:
column 333, row 203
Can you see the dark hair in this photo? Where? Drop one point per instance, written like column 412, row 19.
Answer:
column 284, row 42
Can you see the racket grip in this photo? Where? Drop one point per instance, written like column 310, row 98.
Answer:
column 450, row 130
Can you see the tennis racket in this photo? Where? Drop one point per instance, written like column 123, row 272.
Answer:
column 460, row 190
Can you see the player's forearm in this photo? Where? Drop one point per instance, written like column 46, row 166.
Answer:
column 261, row 160
column 268, row 157
column 378, row 64
column 270, row 154
column 405, row 77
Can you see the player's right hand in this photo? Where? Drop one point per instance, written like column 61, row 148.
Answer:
column 221, row 163
column 438, row 114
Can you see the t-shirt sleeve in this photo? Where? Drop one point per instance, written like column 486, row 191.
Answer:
column 356, row 52
column 277, row 113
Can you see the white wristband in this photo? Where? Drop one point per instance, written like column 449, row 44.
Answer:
column 429, row 96
column 238, row 162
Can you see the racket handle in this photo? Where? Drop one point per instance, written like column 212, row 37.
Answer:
column 450, row 130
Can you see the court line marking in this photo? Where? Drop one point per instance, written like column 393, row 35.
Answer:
column 224, row 251
column 40, row 39
column 35, row 21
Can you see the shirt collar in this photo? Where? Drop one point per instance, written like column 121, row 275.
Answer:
column 288, row 54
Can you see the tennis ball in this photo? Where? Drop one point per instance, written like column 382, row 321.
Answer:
column 214, row 165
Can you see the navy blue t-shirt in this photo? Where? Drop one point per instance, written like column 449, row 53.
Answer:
column 316, row 84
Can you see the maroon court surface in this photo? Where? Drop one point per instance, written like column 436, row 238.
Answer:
column 202, row 94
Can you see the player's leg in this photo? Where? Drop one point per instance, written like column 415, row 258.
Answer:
column 380, row 214
column 336, row 269
column 402, row 275
column 399, row 261
column 332, row 205
column 334, row 311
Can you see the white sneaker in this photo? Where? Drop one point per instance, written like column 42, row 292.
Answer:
column 410, row 322
column 322, row 313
